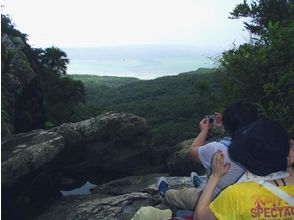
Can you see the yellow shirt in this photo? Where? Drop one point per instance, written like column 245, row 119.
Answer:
column 250, row 201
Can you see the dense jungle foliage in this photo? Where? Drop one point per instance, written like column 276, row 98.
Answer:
column 260, row 71
column 172, row 105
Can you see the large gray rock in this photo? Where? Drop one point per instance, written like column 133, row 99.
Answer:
column 180, row 162
column 116, row 142
column 35, row 164
column 21, row 90
column 132, row 193
column 20, row 73
column 146, row 183
column 111, row 125
column 25, row 153
column 94, row 207
column 113, row 142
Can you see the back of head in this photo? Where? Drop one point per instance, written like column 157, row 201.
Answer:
column 262, row 147
column 239, row 114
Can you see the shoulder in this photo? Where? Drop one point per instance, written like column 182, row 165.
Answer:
column 289, row 189
column 244, row 185
column 213, row 145
column 207, row 151
column 247, row 188
column 238, row 188
column 211, row 148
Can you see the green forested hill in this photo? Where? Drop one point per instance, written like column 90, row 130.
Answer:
column 173, row 105
column 92, row 81
column 96, row 84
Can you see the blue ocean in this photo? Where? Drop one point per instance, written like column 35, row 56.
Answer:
column 143, row 62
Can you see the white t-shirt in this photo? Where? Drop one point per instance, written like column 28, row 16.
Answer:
column 206, row 153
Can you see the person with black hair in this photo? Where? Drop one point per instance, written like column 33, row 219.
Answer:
column 266, row 190
column 235, row 116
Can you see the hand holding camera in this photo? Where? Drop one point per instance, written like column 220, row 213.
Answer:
column 211, row 121
column 215, row 120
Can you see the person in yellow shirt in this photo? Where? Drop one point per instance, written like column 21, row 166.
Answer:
column 263, row 149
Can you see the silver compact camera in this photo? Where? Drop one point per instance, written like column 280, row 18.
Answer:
column 211, row 119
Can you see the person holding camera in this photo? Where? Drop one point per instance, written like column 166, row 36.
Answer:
column 235, row 116
column 263, row 150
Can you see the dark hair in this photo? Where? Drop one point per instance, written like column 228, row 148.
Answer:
column 262, row 147
column 239, row 114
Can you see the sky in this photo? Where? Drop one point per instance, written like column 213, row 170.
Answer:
column 96, row 23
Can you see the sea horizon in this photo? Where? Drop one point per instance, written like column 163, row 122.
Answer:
column 143, row 62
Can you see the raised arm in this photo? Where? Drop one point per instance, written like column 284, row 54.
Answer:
column 200, row 139
column 219, row 169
